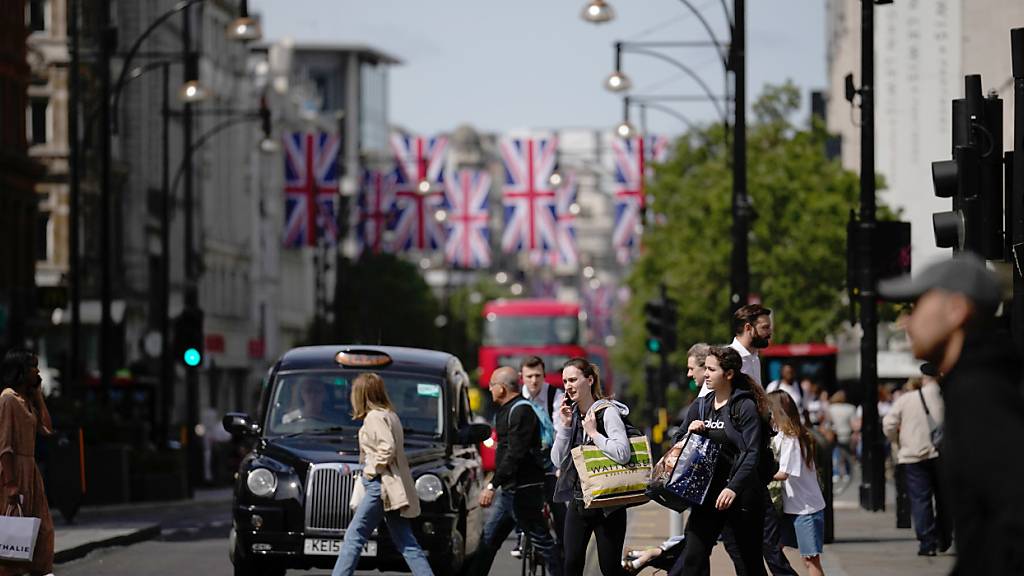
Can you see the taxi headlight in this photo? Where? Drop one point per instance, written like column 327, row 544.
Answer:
column 261, row 482
column 429, row 487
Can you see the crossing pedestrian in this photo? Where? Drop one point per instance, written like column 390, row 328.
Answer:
column 802, row 501
column 952, row 325
column 787, row 383
column 23, row 416
column 732, row 416
column 909, row 426
column 587, row 417
column 387, row 490
column 518, row 475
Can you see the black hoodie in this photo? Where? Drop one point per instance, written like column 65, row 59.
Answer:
column 981, row 456
column 742, row 431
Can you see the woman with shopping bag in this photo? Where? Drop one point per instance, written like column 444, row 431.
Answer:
column 386, row 490
column 731, row 416
column 588, row 418
column 23, row 415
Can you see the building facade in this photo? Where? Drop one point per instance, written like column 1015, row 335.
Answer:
column 923, row 50
column 18, row 175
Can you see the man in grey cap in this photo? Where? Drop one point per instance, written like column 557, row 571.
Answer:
column 952, row 326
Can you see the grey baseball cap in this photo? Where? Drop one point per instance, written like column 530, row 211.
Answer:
column 965, row 274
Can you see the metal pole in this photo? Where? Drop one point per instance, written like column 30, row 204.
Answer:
column 166, row 367
column 106, row 329
column 71, row 379
column 740, row 276
column 193, row 454
column 1016, row 206
column 872, row 489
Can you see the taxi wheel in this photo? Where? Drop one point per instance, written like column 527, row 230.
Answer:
column 247, row 567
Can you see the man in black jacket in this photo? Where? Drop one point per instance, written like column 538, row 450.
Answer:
column 952, row 327
column 519, row 474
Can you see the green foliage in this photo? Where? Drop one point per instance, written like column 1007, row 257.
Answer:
column 797, row 252
column 383, row 299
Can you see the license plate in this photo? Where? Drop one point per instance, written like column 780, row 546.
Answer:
column 331, row 547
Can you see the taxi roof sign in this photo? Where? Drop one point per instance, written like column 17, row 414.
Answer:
column 358, row 358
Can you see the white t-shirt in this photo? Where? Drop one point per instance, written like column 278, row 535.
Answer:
column 542, row 400
column 800, row 492
column 792, row 389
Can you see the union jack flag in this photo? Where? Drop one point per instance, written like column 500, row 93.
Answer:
column 468, row 244
column 310, row 188
column 599, row 303
column 628, row 154
column 528, row 197
column 658, row 148
column 375, row 207
column 564, row 252
column 420, row 160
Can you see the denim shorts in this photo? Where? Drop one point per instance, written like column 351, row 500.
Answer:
column 810, row 532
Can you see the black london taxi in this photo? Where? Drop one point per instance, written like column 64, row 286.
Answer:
column 291, row 498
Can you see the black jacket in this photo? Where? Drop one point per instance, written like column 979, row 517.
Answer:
column 742, row 428
column 518, row 458
column 981, row 457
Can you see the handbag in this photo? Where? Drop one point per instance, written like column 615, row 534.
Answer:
column 934, row 428
column 682, row 477
column 605, row 483
column 17, row 535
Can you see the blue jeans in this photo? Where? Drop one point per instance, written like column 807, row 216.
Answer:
column 368, row 515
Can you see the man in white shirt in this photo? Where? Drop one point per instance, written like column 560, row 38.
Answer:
column 549, row 398
column 787, row 383
column 752, row 326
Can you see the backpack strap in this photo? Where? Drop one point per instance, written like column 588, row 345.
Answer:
column 552, row 391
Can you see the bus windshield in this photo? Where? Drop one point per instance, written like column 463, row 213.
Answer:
column 531, row 331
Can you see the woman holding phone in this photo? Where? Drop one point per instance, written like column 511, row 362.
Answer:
column 589, row 418
column 23, row 415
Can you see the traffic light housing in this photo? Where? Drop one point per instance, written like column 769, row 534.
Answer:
column 265, row 124
column 973, row 178
column 189, row 337
column 660, row 316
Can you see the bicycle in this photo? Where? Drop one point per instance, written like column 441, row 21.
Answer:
column 533, row 563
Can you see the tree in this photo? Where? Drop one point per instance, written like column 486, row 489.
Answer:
column 802, row 201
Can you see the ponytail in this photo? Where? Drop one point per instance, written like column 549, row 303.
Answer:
column 589, row 371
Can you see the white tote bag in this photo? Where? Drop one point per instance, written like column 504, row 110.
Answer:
column 17, row 535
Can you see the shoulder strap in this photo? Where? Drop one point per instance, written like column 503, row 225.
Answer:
column 518, row 403
column 923, row 403
column 552, row 391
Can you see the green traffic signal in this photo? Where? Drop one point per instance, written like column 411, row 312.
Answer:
column 192, row 357
column 654, row 345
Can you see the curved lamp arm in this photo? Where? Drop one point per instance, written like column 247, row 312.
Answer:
column 707, row 27
column 198, row 143
column 688, row 71
column 126, row 65
column 677, row 115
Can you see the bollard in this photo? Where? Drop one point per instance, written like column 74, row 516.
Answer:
column 823, row 462
column 902, row 497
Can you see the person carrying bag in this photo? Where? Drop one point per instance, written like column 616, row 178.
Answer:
column 588, row 419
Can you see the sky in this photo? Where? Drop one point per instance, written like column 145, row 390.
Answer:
column 502, row 66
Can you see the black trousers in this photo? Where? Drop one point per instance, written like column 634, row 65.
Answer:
column 744, row 519
column 931, row 522
column 557, row 508
column 610, row 531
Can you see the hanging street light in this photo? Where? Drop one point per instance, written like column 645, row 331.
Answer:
column 244, row 28
column 598, row 12
column 625, row 129
column 192, row 91
column 617, row 81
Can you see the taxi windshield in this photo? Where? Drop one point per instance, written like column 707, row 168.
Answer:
column 312, row 402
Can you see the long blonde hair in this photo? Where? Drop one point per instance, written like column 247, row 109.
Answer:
column 787, row 419
column 368, row 393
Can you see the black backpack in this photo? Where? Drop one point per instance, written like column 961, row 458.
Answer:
column 767, row 465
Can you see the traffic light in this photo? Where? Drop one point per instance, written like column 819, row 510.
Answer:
column 660, row 317
column 188, row 335
column 265, row 117
column 973, row 178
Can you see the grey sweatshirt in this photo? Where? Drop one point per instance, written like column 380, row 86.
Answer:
column 615, row 444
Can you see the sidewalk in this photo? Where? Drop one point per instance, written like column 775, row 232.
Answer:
column 865, row 543
column 121, row 524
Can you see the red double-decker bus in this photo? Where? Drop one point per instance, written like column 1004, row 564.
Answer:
column 516, row 329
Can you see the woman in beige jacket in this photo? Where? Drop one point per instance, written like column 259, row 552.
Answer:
column 386, row 490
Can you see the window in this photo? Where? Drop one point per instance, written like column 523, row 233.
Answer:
column 37, row 15
column 37, row 121
column 42, row 235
